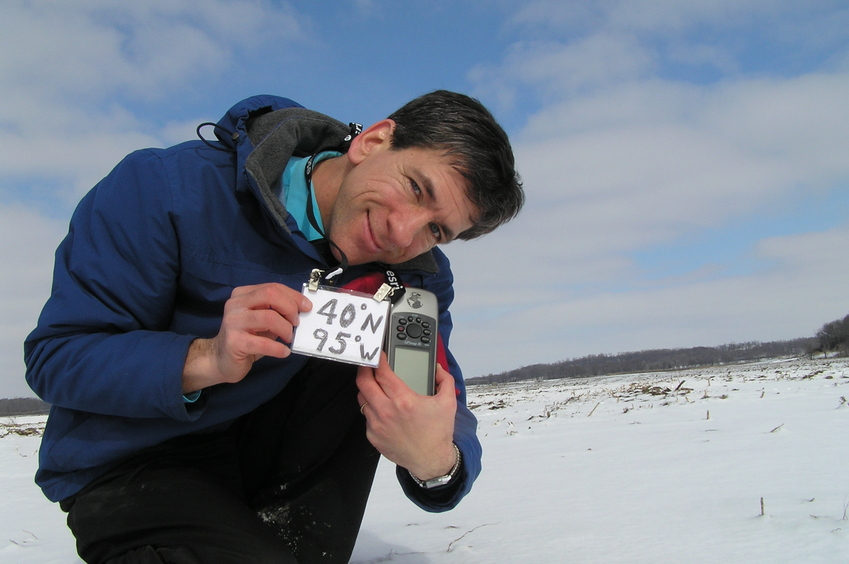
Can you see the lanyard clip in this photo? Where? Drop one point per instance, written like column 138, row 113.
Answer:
column 392, row 288
column 383, row 292
column 315, row 278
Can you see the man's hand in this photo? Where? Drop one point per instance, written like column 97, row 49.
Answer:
column 413, row 431
column 256, row 320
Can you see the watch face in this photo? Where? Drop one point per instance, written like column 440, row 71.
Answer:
column 440, row 481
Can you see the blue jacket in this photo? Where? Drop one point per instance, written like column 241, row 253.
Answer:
column 153, row 252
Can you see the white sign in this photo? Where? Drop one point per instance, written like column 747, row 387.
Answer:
column 344, row 326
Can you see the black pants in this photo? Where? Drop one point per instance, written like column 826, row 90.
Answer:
column 287, row 483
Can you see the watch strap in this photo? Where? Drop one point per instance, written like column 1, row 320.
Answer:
column 441, row 480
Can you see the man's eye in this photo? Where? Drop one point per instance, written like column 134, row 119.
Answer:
column 415, row 187
column 437, row 232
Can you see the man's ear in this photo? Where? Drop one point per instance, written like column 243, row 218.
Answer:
column 375, row 137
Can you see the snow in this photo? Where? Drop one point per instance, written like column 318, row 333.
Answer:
column 645, row 468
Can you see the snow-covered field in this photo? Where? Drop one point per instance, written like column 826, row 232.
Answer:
column 661, row 468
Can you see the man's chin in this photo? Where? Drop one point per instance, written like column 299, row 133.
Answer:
column 352, row 258
column 355, row 258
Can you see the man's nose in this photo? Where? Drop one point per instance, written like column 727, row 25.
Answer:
column 406, row 226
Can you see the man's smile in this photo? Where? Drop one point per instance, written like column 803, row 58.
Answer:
column 371, row 240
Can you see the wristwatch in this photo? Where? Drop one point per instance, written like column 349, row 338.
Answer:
column 441, row 480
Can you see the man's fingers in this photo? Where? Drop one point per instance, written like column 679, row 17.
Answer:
column 445, row 385
column 277, row 297
column 256, row 319
column 267, row 310
column 369, row 388
column 266, row 322
column 258, row 346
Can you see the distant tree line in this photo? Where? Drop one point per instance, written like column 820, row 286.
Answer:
column 23, row 406
column 834, row 337
column 653, row 360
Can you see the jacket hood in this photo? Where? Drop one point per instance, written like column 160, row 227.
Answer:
column 234, row 121
column 264, row 132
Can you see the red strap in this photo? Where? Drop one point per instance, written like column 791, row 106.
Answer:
column 367, row 284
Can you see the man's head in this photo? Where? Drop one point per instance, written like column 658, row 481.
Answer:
column 438, row 169
column 466, row 131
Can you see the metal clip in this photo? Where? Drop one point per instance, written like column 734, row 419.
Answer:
column 383, row 292
column 315, row 278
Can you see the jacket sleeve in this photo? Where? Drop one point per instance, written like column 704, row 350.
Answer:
column 101, row 344
column 465, row 423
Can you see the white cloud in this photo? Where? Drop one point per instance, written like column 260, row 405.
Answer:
column 804, row 288
column 672, row 17
column 142, row 49
column 29, row 242
column 596, row 60
column 652, row 161
column 72, row 71
column 67, row 148
column 580, row 45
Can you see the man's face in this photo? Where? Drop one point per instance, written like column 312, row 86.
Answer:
column 396, row 204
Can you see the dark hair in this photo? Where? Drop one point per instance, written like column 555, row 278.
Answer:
column 462, row 127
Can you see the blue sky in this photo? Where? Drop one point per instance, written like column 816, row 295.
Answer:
column 686, row 163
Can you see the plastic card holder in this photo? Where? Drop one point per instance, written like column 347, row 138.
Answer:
column 343, row 325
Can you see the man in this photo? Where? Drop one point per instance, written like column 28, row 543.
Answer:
column 183, row 429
